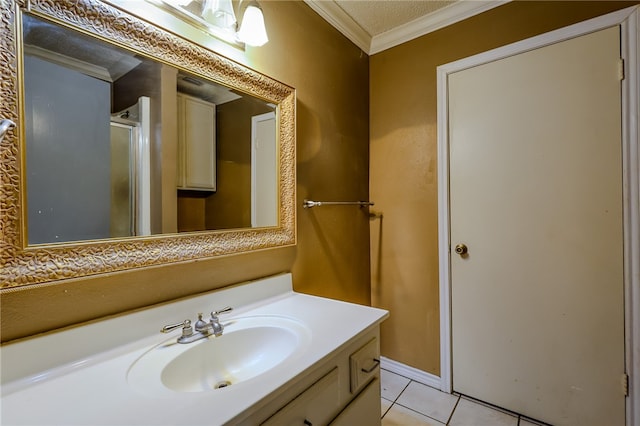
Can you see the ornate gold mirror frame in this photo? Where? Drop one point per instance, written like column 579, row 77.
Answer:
column 21, row 264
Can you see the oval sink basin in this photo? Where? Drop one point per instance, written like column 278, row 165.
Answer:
column 249, row 347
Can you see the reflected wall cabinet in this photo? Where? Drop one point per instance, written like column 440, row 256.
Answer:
column 196, row 144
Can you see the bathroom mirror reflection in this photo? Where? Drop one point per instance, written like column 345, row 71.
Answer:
column 121, row 145
column 123, row 156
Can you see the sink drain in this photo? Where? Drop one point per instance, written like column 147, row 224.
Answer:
column 222, row 384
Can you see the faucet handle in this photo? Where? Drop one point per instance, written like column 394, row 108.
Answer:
column 186, row 327
column 221, row 311
column 216, row 327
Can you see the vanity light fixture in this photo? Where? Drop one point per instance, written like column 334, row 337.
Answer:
column 219, row 19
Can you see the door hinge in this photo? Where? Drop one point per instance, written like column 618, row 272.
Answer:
column 625, row 384
column 621, row 69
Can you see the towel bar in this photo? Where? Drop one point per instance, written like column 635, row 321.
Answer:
column 309, row 204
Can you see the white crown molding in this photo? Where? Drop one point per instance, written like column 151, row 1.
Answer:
column 339, row 19
column 441, row 18
column 65, row 61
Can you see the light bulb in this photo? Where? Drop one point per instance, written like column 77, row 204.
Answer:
column 177, row 3
column 252, row 30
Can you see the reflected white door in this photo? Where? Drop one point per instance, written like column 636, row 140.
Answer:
column 536, row 197
column 264, row 171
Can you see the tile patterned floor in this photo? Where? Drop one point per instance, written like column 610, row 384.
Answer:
column 408, row 403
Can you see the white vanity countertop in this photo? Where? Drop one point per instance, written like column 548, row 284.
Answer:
column 79, row 376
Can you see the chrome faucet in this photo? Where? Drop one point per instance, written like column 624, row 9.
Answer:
column 202, row 328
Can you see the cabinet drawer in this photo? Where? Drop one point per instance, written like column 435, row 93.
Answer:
column 315, row 406
column 364, row 365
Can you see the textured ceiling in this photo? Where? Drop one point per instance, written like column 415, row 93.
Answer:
column 379, row 16
column 377, row 25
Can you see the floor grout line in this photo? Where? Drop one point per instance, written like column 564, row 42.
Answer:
column 402, row 391
column 416, row 411
column 399, row 393
column 395, row 402
column 453, row 411
column 387, row 410
column 519, row 417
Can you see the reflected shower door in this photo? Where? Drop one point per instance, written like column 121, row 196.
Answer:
column 123, row 179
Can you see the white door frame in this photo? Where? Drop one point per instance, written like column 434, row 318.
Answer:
column 629, row 20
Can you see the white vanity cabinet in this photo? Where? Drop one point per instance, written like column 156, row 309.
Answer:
column 196, row 144
column 329, row 395
column 315, row 406
column 364, row 409
column 90, row 374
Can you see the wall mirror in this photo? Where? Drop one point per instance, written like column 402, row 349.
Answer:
column 133, row 147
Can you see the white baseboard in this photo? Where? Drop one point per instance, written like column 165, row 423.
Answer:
column 410, row 372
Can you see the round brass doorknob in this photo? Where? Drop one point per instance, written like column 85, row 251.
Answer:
column 461, row 249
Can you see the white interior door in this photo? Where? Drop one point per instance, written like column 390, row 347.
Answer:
column 537, row 303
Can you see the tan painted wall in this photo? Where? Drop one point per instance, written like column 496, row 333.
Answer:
column 230, row 206
column 331, row 258
column 403, row 173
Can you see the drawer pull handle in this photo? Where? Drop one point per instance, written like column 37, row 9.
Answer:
column 376, row 362
column 307, row 422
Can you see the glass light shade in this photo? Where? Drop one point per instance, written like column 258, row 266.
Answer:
column 177, row 3
column 220, row 13
column 252, row 30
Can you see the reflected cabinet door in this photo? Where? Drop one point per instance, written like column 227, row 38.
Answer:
column 196, row 144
